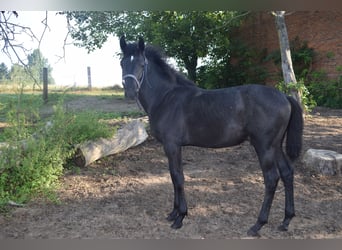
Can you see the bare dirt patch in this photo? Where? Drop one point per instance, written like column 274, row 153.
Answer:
column 129, row 195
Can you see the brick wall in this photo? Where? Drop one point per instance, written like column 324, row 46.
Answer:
column 321, row 29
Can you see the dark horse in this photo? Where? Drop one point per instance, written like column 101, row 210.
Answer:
column 181, row 114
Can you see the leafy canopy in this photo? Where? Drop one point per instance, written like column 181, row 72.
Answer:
column 184, row 35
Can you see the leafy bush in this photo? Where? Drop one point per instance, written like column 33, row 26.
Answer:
column 80, row 127
column 307, row 100
column 231, row 65
column 33, row 162
column 327, row 93
column 30, row 171
column 302, row 57
column 318, row 89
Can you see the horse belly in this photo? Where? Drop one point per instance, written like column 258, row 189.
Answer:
column 216, row 135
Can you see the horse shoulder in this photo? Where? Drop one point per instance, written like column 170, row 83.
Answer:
column 167, row 120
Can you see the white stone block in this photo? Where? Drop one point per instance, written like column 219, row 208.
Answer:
column 326, row 162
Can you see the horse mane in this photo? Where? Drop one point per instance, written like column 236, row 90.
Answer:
column 157, row 56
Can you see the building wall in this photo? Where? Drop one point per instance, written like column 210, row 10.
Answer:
column 321, row 29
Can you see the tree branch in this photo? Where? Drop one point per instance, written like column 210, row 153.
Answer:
column 227, row 23
column 65, row 38
column 10, row 30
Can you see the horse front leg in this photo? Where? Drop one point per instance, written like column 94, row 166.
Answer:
column 180, row 210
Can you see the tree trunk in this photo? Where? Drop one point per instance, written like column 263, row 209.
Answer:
column 132, row 134
column 286, row 61
column 191, row 66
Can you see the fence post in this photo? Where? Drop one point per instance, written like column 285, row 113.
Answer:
column 45, row 84
column 89, row 77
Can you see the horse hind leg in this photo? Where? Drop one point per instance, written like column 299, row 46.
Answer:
column 271, row 179
column 287, row 176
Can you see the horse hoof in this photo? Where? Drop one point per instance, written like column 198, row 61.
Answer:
column 282, row 228
column 253, row 233
column 172, row 216
column 176, row 225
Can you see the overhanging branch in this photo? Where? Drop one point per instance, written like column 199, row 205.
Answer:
column 9, row 44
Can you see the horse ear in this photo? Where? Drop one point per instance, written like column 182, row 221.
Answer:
column 141, row 44
column 123, row 43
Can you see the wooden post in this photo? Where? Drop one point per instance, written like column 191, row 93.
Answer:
column 45, row 84
column 89, row 77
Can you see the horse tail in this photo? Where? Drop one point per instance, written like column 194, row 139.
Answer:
column 294, row 130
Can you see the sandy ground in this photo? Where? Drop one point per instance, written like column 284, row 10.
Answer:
column 128, row 195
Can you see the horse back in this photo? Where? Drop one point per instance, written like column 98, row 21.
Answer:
column 217, row 118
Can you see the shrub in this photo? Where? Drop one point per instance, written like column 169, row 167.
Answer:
column 308, row 102
column 33, row 162
column 302, row 57
column 327, row 93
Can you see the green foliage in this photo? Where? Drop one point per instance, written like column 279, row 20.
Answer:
column 4, row 73
column 17, row 104
column 19, row 75
column 34, row 159
column 80, row 127
column 327, row 93
column 235, row 64
column 315, row 87
column 36, row 63
column 30, row 74
column 29, row 166
column 308, row 101
column 330, row 55
column 30, row 172
column 184, row 35
column 301, row 54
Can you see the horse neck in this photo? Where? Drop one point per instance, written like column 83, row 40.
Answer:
column 153, row 89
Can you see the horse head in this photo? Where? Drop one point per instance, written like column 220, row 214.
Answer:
column 133, row 64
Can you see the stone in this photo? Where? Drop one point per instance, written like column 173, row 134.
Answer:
column 326, row 162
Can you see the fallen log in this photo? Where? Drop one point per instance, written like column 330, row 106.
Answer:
column 131, row 134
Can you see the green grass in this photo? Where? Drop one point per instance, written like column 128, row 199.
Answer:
column 33, row 98
column 27, row 99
